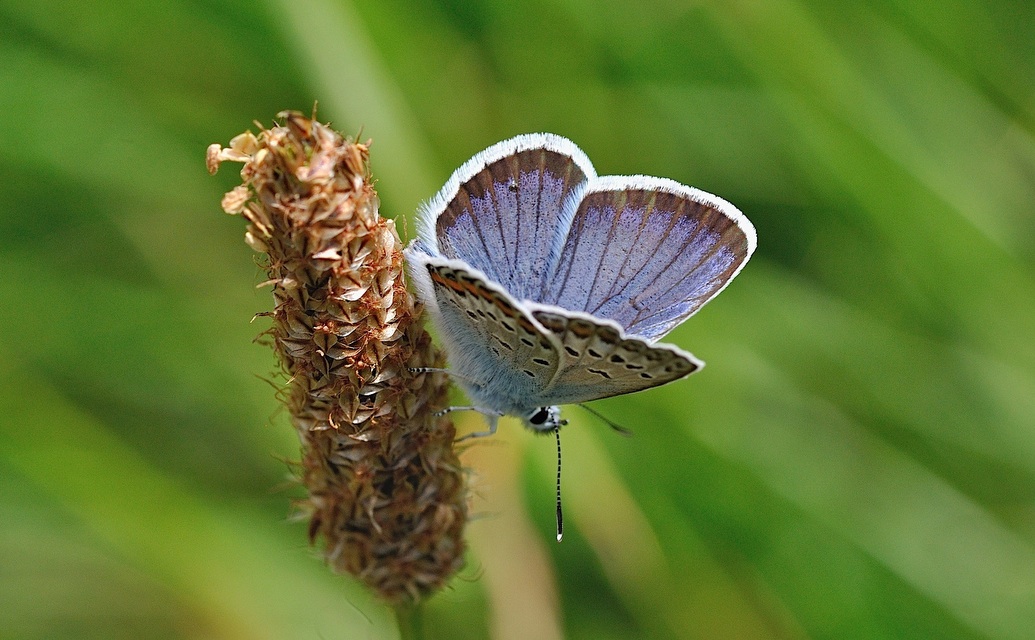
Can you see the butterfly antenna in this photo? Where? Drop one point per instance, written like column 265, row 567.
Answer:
column 614, row 425
column 560, row 515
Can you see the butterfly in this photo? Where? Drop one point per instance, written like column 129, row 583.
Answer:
column 549, row 285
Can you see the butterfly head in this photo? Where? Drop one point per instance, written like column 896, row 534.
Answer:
column 544, row 419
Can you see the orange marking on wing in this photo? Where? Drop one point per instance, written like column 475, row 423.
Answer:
column 478, row 290
column 452, row 284
column 472, row 288
column 581, row 329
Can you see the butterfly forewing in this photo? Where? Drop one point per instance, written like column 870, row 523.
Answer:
column 507, row 216
column 493, row 341
column 599, row 361
column 648, row 253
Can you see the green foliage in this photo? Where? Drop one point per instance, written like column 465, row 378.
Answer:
column 856, row 461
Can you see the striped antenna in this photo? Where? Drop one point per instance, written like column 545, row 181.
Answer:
column 560, row 515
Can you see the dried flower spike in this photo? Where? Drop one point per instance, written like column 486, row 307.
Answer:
column 386, row 490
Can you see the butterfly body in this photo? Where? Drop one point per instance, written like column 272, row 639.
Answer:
column 550, row 285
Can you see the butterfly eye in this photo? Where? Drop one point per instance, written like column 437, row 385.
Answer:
column 540, row 416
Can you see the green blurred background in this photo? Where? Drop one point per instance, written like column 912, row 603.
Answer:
column 857, row 460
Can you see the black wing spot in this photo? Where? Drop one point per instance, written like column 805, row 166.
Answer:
column 528, row 373
column 473, row 315
column 527, row 342
column 503, row 344
column 495, row 350
column 633, row 367
column 593, row 353
column 646, row 375
column 571, row 352
column 540, row 361
column 617, row 358
column 599, row 373
column 544, row 344
column 509, row 327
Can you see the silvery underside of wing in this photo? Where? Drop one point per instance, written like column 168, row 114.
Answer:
column 506, row 211
column 599, row 360
column 647, row 253
column 492, row 342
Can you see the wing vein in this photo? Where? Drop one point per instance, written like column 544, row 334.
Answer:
column 611, row 293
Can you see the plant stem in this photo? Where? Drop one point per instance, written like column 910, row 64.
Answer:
column 410, row 621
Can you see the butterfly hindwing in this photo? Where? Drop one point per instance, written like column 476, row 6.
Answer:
column 599, row 361
column 492, row 339
column 507, row 211
column 648, row 253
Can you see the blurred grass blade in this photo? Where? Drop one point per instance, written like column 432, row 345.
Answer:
column 920, row 527
column 222, row 561
column 342, row 66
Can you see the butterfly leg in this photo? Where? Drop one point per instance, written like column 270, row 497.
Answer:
column 452, row 409
column 430, row 370
column 492, row 417
column 452, row 374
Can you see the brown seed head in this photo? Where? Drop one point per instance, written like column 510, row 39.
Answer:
column 386, row 491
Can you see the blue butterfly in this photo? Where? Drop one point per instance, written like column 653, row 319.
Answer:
column 549, row 285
